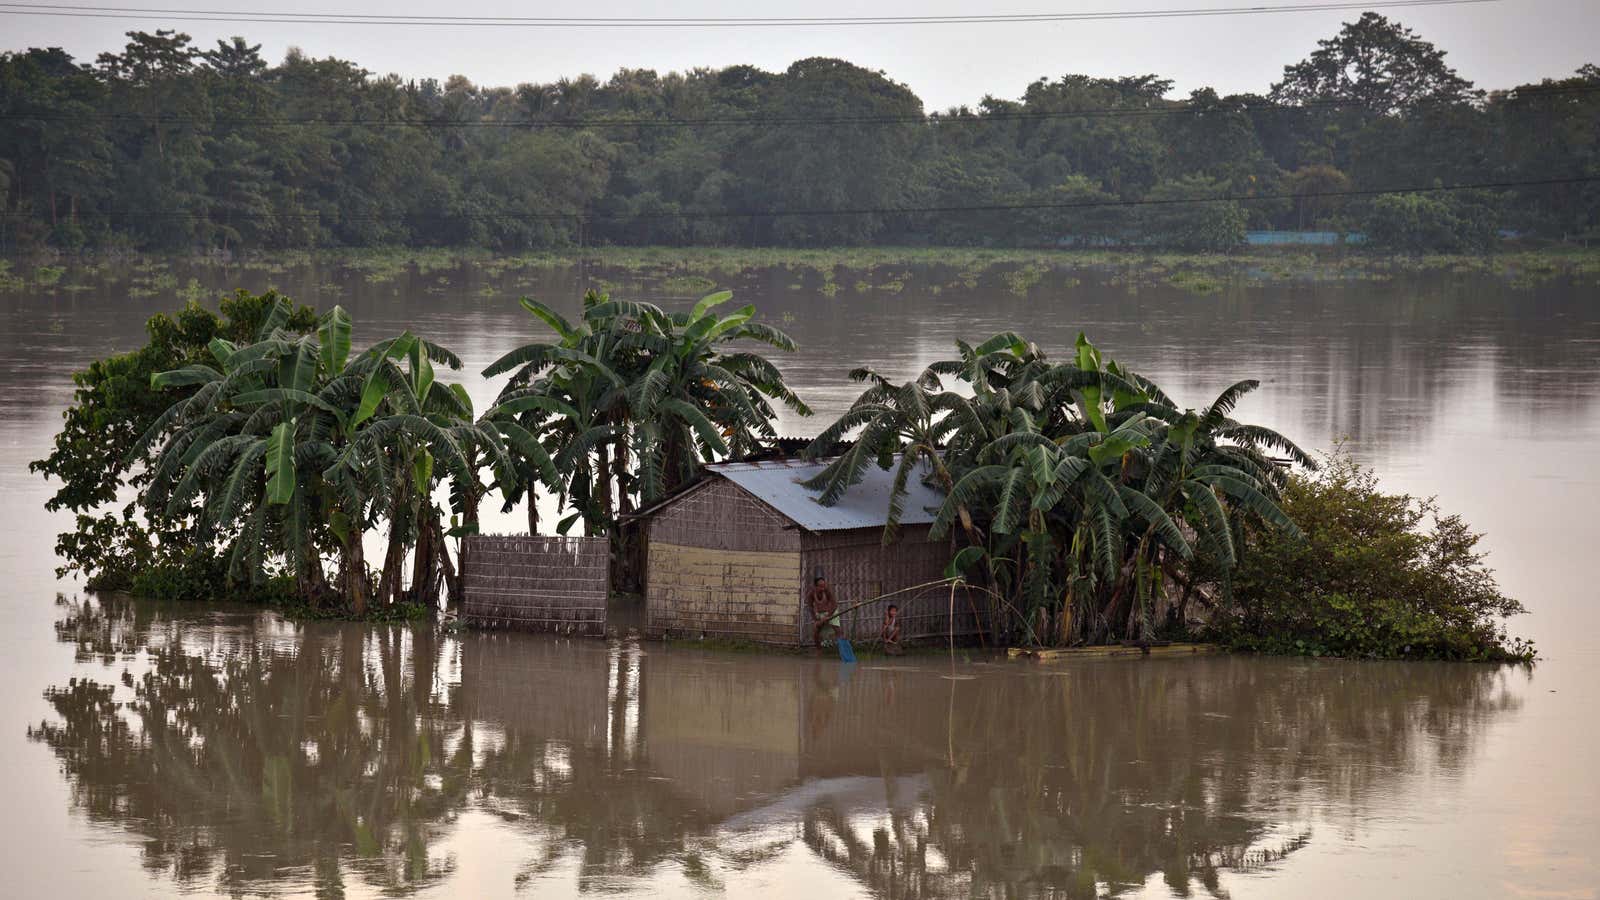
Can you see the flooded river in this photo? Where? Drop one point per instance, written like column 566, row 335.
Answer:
column 150, row 750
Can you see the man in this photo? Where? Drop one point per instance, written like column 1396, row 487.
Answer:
column 822, row 605
column 890, row 634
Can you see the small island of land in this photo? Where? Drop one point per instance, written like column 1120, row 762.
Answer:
column 1076, row 496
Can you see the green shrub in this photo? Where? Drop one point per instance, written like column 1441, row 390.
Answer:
column 697, row 285
column 1377, row 575
column 1462, row 222
column 196, row 576
column 1208, row 226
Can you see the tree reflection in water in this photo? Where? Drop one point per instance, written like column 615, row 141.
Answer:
column 249, row 754
column 239, row 759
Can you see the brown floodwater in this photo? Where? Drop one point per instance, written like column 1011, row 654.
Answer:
column 152, row 750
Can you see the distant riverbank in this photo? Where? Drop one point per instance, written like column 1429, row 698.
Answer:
column 666, row 272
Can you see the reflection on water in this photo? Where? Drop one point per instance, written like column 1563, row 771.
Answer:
column 1372, row 359
column 242, row 754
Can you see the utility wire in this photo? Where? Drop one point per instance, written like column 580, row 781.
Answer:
column 216, row 15
column 857, row 211
column 1530, row 92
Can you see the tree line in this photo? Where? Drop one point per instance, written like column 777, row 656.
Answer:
column 170, row 146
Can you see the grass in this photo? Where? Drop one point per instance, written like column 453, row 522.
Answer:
column 193, row 291
column 8, row 281
column 1195, row 282
column 687, row 285
column 690, row 272
column 1021, row 280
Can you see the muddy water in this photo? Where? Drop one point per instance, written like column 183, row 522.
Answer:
column 148, row 750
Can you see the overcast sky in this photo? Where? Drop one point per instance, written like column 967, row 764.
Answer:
column 1496, row 45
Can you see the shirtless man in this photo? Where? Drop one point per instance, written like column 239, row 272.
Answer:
column 822, row 605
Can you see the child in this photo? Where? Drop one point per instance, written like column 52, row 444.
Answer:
column 891, row 630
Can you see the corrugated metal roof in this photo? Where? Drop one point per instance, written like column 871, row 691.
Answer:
column 866, row 505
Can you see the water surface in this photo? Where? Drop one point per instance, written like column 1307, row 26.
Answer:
column 151, row 749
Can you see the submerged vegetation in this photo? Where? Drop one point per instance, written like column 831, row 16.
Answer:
column 821, row 275
column 264, row 452
column 1375, row 574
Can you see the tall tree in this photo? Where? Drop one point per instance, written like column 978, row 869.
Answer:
column 631, row 401
column 1380, row 66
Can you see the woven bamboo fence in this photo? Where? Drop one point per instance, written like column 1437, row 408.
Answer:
column 536, row 583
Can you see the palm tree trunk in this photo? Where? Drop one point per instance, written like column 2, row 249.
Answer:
column 353, row 574
column 624, row 558
column 452, row 580
column 948, row 482
column 424, row 575
column 394, row 557
column 671, row 462
column 454, row 574
column 306, row 584
column 602, row 483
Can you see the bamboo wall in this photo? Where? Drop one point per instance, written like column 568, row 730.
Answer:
column 859, row 566
column 535, row 583
column 723, row 564
column 722, row 516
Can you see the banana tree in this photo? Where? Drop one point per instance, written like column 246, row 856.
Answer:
column 1213, row 473
column 287, row 443
column 245, row 450
column 1059, row 518
column 1091, row 487
column 409, row 434
column 914, row 421
column 557, row 410
column 623, row 406
column 695, row 402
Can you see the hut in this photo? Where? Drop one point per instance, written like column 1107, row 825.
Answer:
column 732, row 556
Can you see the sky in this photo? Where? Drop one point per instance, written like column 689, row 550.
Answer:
column 1495, row 44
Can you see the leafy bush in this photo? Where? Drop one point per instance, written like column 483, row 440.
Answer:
column 113, row 403
column 1376, row 575
column 197, row 576
column 1461, row 222
column 1208, row 226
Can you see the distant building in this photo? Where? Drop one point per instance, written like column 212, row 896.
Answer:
column 733, row 555
column 1303, row 238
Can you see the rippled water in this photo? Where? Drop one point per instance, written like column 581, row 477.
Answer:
column 147, row 750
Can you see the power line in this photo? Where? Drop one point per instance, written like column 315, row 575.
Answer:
column 865, row 211
column 734, row 121
column 215, row 15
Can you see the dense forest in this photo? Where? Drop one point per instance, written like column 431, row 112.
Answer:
column 171, row 146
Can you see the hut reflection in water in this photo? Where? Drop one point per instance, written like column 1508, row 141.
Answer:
column 239, row 752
